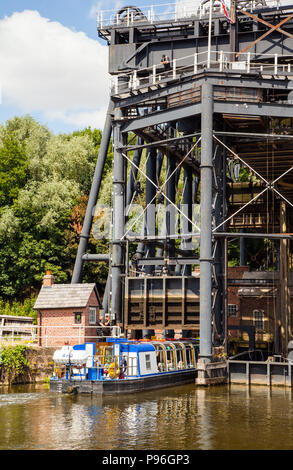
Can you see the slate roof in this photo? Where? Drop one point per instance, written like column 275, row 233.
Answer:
column 65, row 296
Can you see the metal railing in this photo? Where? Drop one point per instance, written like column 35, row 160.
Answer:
column 170, row 12
column 46, row 335
column 265, row 64
column 111, row 367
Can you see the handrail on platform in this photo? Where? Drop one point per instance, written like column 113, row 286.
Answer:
column 221, row 61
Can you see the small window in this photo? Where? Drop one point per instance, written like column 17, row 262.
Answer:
column 258, row 319
column 232, row 310
column 148, row 364
column 93, row 315
column 77, row 317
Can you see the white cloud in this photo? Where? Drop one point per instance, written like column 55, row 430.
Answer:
column 48, row 68
column 80, row 119
column 111, row 8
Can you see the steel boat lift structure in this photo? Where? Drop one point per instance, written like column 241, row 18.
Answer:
column 226, row 82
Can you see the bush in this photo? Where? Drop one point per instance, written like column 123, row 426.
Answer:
column 14, row 364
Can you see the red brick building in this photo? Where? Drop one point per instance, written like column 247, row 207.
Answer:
column 254, row 300
column 67, row 313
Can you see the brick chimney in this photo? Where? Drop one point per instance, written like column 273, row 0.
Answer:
column 48, row 279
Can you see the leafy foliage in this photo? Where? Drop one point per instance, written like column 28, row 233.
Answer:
column 13, row 362
column 45, row 181
column 13, row 169
column 24, row 308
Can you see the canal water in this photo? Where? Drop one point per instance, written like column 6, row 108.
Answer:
column 181, row 418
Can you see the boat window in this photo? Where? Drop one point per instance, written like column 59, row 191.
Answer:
column 171, row 359
column 189, row 355
column 107, row 354
column 148, row 364
column 194, row 354
column 180, row 355
column 161, row 358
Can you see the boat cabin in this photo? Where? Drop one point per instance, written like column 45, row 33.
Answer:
column 123, row 359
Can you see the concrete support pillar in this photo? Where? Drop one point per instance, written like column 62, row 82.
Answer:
column 205, row 351
column 94, row 192
column 118, row 221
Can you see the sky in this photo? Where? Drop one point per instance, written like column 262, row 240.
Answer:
column 53, row 66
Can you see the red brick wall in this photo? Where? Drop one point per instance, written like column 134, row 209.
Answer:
column 59, row 327
column 236, row 272
column 265, row 304
column 246, row 305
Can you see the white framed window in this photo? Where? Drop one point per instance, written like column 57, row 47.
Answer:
column 148, row 364
column 232, row 310
column 93, row 316
column 258, row 319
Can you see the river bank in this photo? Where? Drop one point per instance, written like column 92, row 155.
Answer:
column 26, row 365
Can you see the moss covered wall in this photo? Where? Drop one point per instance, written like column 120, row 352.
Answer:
column 26, row 365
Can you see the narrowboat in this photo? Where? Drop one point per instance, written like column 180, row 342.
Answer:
column 123, row 366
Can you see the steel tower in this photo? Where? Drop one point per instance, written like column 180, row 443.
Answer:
column 195, row 96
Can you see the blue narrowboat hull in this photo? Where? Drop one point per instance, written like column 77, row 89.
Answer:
column 120, row 386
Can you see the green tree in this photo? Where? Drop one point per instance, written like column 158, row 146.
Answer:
column 40, row 225
column 13, row 169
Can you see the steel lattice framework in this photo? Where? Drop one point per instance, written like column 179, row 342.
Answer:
column 177, row 128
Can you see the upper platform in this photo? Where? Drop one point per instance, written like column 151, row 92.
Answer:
column 139, row 37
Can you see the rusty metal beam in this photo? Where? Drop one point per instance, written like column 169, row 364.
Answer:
column 274, row 28
column 260, row 20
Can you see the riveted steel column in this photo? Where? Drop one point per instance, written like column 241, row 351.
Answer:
column 206, row 171
column 118, row 220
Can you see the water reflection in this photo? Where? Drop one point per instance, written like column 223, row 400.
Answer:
column 181, row 418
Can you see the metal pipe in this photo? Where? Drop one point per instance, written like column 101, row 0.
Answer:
column 96, row 257
column 205, row 350
column 94, row 192
column 130, row 148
